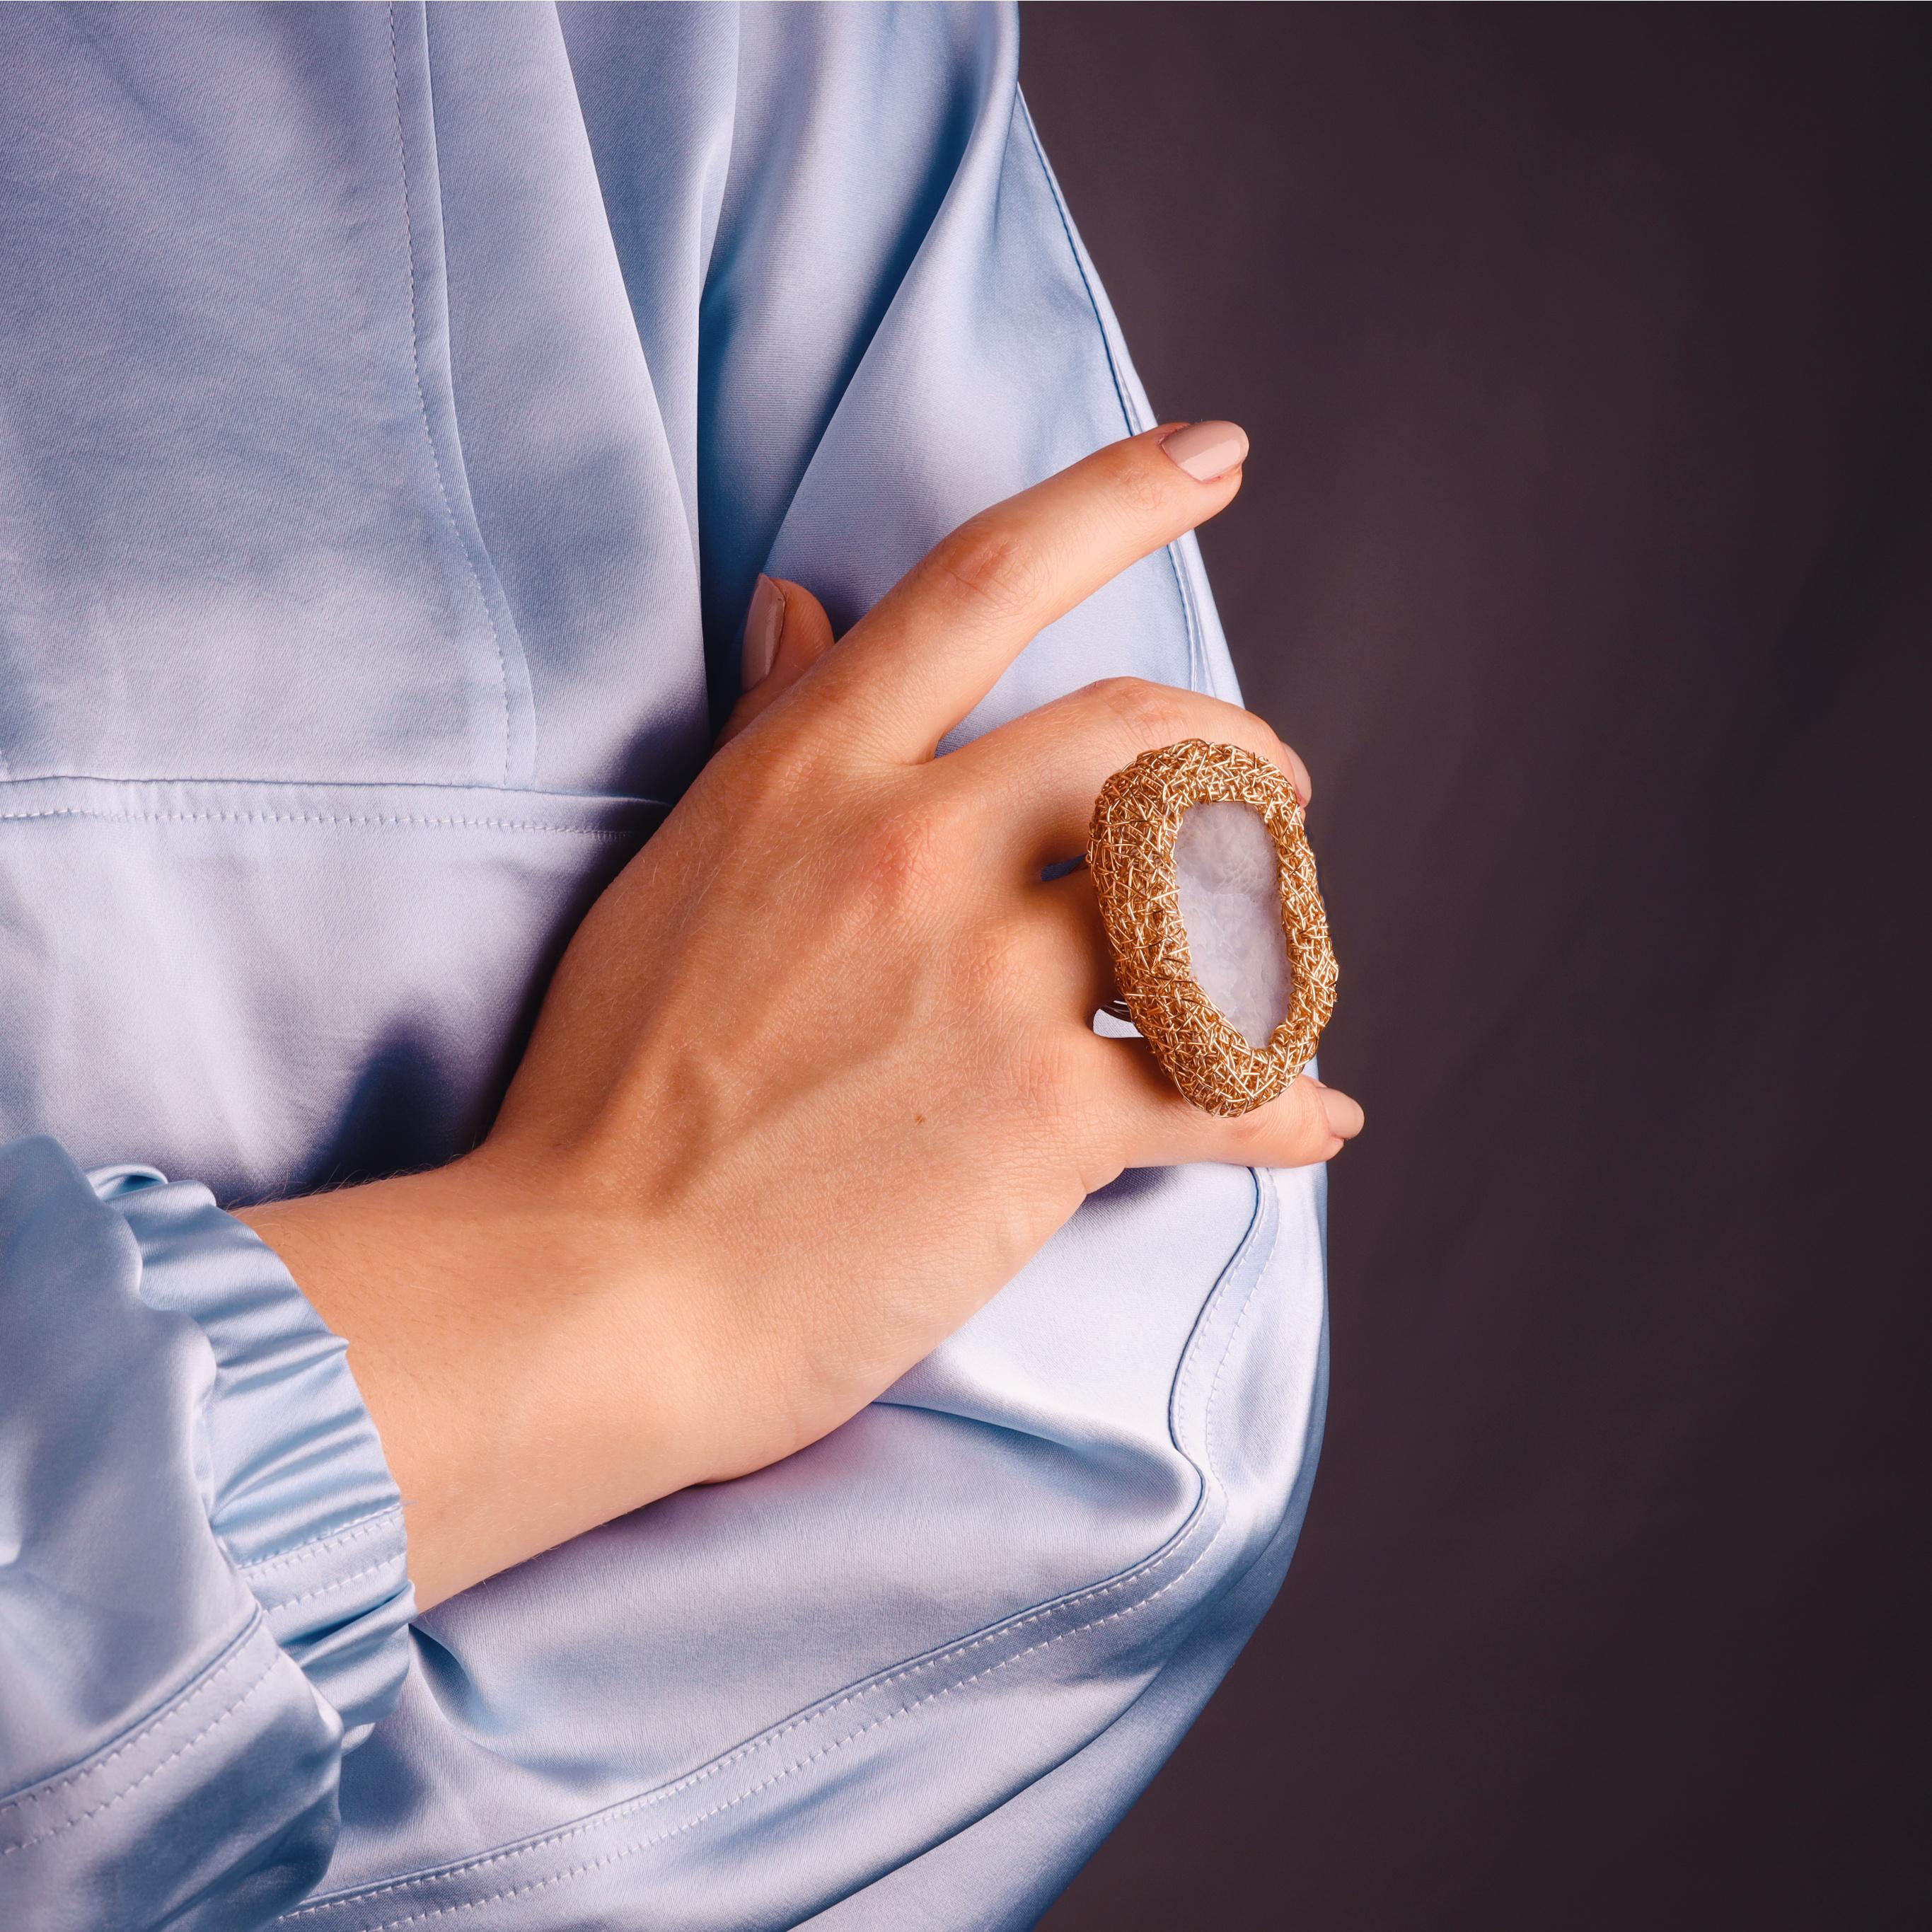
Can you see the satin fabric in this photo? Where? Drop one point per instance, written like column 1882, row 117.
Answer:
column 396, row 408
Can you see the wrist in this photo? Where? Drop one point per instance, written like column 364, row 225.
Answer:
column 530, row 1373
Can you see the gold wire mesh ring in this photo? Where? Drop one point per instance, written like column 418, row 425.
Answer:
column 1130, row 853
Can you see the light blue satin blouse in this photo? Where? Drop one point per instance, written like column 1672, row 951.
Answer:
column 395, row 407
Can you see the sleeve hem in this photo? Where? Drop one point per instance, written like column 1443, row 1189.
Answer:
column 297, row 1489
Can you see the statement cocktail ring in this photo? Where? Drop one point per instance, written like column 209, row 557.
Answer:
column 1276, row 998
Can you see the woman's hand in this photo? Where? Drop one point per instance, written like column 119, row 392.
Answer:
column 817, row 1074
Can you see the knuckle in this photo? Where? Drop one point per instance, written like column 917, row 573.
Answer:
column 1149, row 714
column 907, row 844
column 993, row 566
column 765, row 772
column 1263, row 738
column 905, row 857
column 1258, row 731
column 1237, row 726
column 1148, row 489
column 1146, row 715
column 1269, row 743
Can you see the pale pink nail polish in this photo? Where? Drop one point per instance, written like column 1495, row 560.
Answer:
column 763, row 621
column 1207, row 450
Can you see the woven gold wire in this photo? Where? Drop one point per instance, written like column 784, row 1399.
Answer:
column 1130, row 853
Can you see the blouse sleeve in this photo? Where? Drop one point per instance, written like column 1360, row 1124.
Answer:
column 204, row 1597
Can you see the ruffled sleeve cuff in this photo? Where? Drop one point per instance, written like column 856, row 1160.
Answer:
column 291, row 1468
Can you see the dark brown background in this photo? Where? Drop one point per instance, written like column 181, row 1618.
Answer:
column 1586, row 554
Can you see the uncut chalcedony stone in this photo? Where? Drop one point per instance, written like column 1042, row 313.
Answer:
column 1228, row 884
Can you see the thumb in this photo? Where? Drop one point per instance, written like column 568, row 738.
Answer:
column 786, row 633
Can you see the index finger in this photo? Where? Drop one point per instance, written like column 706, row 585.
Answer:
column 937, row 641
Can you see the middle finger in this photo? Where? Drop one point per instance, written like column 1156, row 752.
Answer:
column 1041, row 773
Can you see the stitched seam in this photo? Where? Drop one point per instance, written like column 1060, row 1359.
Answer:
column 153, row 1771
column 340, row 1583
column 41, row 1793
column 730, row 1804
column 644, row 1801
column 1192, row 1359
column 1197, row 653
column 309, row 818
column 1241, row 1321
column 241, row 781
column 361, row 1526
column 422, row 400
column 740, row 1798
column 1087, row 287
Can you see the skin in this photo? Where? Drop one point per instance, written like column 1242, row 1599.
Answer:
column 815, row 1078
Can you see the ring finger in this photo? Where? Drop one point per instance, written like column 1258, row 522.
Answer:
column 1305, row 1123
column 1082, row 975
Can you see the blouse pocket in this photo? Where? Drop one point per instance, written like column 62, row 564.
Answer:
column 270, row 987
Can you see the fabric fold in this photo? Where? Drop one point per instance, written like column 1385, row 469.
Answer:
column 204, row 1584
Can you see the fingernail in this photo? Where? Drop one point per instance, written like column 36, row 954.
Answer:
column 763, row 622
column 1207, row 450
column 1344, row 1116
